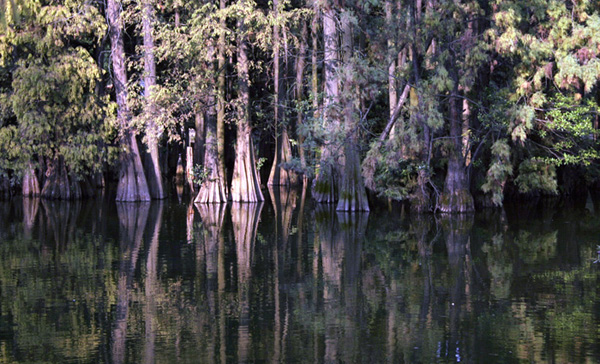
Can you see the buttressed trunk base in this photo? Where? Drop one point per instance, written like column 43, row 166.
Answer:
column 132, row 180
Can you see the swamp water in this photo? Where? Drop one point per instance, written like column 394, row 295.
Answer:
column 288, row 281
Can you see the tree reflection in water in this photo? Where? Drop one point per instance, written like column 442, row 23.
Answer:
column 212, row 247
column 132, row 222
column 244, row 218
column 340, row 236
column 164, row 282
column 151, row 286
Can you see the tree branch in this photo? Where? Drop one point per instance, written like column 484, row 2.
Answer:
column 395, row 114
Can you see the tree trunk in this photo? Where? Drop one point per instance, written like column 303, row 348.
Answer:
column 212, row 189
column 421, row 198
column 132, row 180
column 314, row 60
column 391, row 61
column 153, row 132
column 200, row 138
column 325, row 184
column 353, row 196
column 245, row 184
column 31, row 186
column 5, row 190
column 279, row 176
column 456, row 196
column 59, row 185
column 221, row 100
column 300, row 64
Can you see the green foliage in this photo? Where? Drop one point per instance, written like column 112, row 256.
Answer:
column 200, row 174
column 498, row 172
column 51, row 106
column 536, row 176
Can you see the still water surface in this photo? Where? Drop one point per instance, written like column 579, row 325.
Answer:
column 287, row 281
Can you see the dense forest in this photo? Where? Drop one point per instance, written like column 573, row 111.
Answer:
column 450, row 105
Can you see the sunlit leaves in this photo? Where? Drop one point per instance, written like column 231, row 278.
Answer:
column 50, row 101
column 499, row 171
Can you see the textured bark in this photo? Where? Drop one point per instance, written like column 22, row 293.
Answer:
column 279, row 176
column 200, row 140
column 189, row 168
column 421, row 200
column 391, row 60
column 300, row 64
column 132, row 179
column 212, row 189
column 155, row 183
column 59, row 185
column 221, row 100
column 456, row 196
column 245, row 185
column 31, row 186
column 352, row 193
column 314, row 64
column 325, row 183
column 353, row 196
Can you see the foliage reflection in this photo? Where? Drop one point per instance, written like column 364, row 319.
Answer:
column 286, row 281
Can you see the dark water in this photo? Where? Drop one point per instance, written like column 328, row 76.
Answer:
column 290, row 282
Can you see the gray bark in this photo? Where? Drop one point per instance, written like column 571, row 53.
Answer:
column 221, row 100
column 153, row 132
column 59, row 185
column 300, row 64
column 353, row 196
column 456, row 196
column 279, row 176
column 212, row 189
column 245, row 186
column 132, row 179
column 325, row 183
column 31, row 186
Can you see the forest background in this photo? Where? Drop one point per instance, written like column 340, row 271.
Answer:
column 450, row 105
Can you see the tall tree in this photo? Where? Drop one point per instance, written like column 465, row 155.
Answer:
column 155, row 183
column 325, row 183
column 48, row 96
column 299, row 91
column 221, row 72
column 462, row 67
column 245, row 186
column 279, row 175
column 132, row 179
column 353, row 196
column 212, row 189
